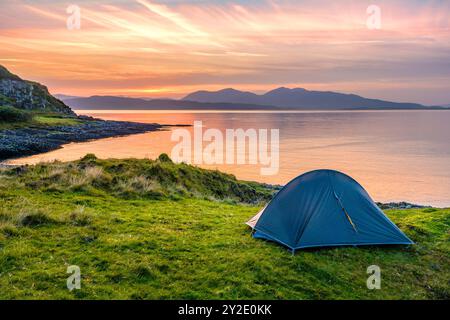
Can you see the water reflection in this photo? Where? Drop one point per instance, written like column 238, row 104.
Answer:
column 396, row 155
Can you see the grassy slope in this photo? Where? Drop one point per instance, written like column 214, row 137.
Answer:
column 53, row 120
column 154, row 239
column 41, row 121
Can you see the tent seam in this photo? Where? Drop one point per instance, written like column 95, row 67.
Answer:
column 349, row 219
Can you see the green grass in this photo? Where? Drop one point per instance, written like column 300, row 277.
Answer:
column 54, row 120
column 12, row 118
column 11, row 114
column 169, row 236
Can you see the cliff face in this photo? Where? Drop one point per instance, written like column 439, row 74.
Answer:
column 28, row 95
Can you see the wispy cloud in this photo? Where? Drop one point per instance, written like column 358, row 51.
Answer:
column 172, row 16
column 153, row 48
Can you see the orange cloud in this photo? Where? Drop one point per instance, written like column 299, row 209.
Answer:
column 151, row 48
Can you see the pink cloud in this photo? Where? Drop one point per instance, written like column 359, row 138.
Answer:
column 316, row 43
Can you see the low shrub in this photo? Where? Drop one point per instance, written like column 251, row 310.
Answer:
column 11, row 114
column 34, row 218
column 8, row 229
column 163, row 157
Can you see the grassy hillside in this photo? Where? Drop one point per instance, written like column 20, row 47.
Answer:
column 14, row 118
column 142, row 229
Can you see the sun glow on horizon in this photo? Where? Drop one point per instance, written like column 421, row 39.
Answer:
column 168, row 49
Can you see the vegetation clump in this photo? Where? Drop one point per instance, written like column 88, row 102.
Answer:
column 153, row 179
column 11, row 114
column 190, row 242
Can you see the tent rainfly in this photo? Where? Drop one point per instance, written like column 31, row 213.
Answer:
column 325, row 208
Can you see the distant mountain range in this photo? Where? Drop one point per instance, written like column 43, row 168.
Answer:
column 123, row 103
column 30, row 95
column 231, row 99
column 64, row 96
column 299, row 98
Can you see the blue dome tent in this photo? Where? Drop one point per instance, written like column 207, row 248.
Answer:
column 325, row 208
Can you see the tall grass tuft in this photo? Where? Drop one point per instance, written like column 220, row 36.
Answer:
column 8, row 229
column 80, row 217
column 33, row 217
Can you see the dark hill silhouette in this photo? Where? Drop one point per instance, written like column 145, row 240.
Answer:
column 298, row 98
column 230, row 99
column 123, row 103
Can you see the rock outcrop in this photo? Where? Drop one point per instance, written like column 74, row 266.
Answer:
column 28, row 95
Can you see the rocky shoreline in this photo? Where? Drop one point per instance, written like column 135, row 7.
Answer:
column 33, row 140
column 400, row 205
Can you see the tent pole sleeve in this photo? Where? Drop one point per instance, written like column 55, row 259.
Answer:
column 340, row 204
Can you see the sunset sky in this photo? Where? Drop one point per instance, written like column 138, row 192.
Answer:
column 147, row 48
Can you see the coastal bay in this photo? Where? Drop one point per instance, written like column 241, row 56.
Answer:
column 37, row 139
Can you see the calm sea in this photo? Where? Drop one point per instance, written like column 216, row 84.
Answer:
column 395, row 155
